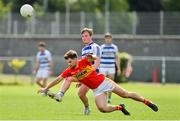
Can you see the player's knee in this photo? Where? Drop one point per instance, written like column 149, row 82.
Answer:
column 81, row 94
column 102, row 109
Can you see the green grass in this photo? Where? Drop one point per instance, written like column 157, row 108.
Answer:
column 22, row 102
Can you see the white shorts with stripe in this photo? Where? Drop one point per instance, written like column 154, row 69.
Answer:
column 107, row 71
column 42, row 73
column 105, row 86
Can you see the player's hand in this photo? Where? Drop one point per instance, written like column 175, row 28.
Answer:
column 119, row 72
column 42, row 90
column 129, row 71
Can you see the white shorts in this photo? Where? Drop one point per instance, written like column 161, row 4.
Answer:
column 105, row 86
column 42, row 73
column 107, row 71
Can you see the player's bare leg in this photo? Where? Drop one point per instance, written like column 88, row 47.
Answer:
column 101, row 103
column 44, row 82
column 111, row 76
column 133, row 95
column 83, row 89
column 38, row 82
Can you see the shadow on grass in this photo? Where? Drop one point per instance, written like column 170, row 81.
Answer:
column 10, row 84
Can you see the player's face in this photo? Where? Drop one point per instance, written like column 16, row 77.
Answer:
column 40, row 48
column 86, row 38
column 72, row 62
column 108, row 40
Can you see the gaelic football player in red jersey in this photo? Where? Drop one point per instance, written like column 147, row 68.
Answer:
column 85, row 73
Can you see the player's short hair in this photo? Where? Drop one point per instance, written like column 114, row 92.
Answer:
column 90, row 31
column 107, row 35
column 42, row 44
column 70, row 54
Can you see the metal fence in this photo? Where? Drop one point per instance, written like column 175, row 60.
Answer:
column 133, row 23
column 145, row 68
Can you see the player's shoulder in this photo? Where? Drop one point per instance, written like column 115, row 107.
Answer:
column 103, row 45
column 47, row 52
column 38, row 53
column 95, row 44
column 82, row 59
column 114, row 45
column 91, row 46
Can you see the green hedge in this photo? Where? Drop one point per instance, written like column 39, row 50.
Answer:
column 125, row 58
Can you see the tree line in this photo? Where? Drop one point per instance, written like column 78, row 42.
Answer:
column 92, row 5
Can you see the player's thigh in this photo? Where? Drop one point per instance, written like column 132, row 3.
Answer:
column 42, row 73
column 39, row 74
column 111, row 73
column 45, row 74
column 37, row 79
column 101, row 100
column 111, row 76
column 119, row 90
column 44, row 80
column 83, row 89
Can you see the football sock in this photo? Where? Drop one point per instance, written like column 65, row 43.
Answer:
column 146, row 102
column 119, row 107
column 151, row 105
column 86, row 107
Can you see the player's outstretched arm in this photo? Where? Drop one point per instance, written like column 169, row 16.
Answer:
column 53, row 83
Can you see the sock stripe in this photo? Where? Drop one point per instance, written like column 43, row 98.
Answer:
column 146, row 102
column 118, row 107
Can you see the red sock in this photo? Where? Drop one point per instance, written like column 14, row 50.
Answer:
column 119, row 107
column 146, row 102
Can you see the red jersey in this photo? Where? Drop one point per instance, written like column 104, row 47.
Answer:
column 85, row 73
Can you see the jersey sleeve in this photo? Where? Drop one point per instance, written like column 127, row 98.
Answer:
column 96, row 51
column 85, row 61
column 49, row 56
column 65, row 73
column 116, row 49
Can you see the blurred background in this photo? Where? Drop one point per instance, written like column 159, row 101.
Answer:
column 146, row 29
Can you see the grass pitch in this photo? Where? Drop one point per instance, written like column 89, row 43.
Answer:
column 22, row 102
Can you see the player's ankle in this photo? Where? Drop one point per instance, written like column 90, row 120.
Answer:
column 119, row 107
column 146, row 102
column 86, row 107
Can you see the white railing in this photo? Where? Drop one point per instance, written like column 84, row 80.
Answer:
column 163, row 60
